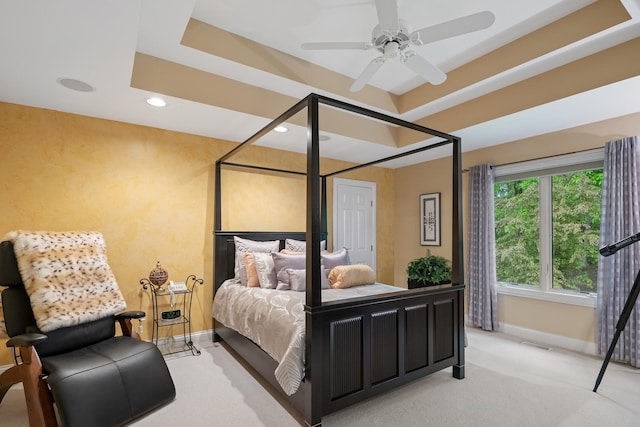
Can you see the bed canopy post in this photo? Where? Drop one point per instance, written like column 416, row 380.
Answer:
column 218, row 199
column 323, row 205
column 314, row 217
column 313, row 320
column 457, row 256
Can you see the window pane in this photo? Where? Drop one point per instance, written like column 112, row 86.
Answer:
column 517, row 231
column 576, row 227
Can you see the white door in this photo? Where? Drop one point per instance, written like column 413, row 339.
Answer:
column 354, row 220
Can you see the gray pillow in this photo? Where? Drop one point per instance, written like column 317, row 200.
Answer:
column 246, row 245
column 283, row 261
column 298, row 278
column 333, row 259
column 300, row 245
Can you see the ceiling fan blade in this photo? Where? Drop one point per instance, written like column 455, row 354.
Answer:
column 367, row 74
column 423, row 68
column 337, row 45
column 455, row 27
column 388, row 15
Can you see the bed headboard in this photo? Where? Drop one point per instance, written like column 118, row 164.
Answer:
column 225, row 248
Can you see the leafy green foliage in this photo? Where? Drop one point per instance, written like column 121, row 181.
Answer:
column 430, row 269
column 517, row 231
column 576, row 227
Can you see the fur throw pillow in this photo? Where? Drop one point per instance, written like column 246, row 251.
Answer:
column 67, row 277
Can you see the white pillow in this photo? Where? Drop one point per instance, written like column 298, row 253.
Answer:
column 246, row 245
column 265, row 269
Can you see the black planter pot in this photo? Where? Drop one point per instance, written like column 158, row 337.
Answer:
column 417, row 283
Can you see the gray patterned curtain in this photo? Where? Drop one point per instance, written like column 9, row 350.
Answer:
column 481, row 260
column 619, row 218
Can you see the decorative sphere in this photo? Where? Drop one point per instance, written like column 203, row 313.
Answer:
column 158, row 276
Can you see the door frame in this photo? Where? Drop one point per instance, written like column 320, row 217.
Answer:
column 356, row 183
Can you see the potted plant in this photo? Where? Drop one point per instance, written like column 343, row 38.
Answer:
column 428, row 270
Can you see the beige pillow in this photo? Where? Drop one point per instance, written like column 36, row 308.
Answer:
column 290, row 252
column 252, row 272
column 346, row 276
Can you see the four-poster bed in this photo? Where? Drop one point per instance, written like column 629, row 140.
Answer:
column 359, row 347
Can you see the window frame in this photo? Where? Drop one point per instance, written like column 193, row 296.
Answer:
column 544, row 169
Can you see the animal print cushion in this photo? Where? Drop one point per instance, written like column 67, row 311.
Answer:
column 67, row 277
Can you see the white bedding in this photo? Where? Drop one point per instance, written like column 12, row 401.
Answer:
column 275, row 321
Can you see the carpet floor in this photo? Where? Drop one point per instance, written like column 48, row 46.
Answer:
column 508, row 383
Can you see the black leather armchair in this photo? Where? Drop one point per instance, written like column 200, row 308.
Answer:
column 88, row 374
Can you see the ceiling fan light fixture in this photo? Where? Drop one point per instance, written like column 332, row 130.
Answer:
column 391, row 50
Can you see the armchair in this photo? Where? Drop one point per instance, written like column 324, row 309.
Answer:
column 81, row 374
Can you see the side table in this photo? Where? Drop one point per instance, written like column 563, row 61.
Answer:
column 178, row 314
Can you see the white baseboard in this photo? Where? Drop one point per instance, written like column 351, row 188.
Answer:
column 549, row 340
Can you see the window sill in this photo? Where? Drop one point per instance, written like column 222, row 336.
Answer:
column 584, row 300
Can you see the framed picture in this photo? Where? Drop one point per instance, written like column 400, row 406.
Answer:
column 430, row 219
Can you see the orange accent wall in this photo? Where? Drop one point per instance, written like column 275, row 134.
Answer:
column 150, row 192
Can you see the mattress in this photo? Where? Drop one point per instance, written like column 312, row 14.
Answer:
column 275, row 320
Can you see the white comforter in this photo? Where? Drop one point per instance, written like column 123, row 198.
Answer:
column 275, row 321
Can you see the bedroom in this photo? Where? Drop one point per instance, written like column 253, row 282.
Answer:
column 169, row 180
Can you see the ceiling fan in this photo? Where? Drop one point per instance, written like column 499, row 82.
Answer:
column 393, row 38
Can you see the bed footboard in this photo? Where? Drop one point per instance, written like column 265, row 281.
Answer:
column 377, row 345
column 365, row 347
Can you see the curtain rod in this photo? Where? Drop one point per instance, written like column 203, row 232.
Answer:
column 539, row 158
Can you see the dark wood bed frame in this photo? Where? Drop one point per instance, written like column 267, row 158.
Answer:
column 361, row 347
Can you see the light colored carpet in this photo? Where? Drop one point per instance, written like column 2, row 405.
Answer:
column 507, row 384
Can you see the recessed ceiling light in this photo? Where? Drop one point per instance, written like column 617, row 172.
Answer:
column 156, row 101
column 324, row 137
column 77, row 85
column 280, row 129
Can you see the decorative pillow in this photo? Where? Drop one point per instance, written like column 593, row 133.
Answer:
column 298, row 279
column 290, row 252
column 346, row 276
column 246, row 245
column 265, row 270
column 333, row 259
column 252, row 273
column 282, row 262
column 67, row 277
column 301, row 245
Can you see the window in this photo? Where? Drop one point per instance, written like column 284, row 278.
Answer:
column 547, row 216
